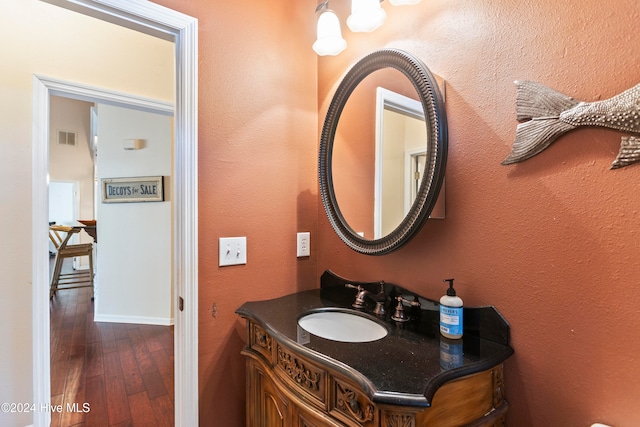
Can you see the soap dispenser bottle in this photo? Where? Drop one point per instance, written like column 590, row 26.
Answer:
column 451, row 313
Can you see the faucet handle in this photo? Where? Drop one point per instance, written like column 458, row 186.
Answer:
column 399, row 314
column 380, row 298
column 402, row 299
column 359, row 302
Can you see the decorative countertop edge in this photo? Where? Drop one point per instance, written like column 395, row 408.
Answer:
column 315, row 356
column 260, row 313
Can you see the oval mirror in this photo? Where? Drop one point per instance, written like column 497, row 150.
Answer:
column 378, row 195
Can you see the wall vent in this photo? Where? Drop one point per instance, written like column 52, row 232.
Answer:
column 67, row 137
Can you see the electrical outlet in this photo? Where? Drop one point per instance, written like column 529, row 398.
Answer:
column 304, row 244
column 232, row 251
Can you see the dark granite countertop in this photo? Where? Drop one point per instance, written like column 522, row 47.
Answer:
column 408, row 365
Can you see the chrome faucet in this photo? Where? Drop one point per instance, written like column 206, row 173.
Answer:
column 380, row 298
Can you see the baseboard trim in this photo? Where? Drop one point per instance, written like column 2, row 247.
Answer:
column 140, row 320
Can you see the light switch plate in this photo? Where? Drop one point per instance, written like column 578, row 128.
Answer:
column 303, row 246
column 232, row 251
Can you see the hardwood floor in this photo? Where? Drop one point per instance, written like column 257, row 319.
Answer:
column 108, row 374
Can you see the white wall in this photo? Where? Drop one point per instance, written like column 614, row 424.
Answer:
column 73, row 163
column 39, row 38
column 134, row 239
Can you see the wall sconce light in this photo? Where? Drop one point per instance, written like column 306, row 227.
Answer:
column 366, row 16
column 330, row 41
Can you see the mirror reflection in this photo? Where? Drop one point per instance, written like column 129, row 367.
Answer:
column 379, row 153
column 400, row 157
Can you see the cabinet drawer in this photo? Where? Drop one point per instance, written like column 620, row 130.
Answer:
column 350, row 405
column 301, row 374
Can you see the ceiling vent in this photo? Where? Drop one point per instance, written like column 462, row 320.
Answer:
column 67, row 137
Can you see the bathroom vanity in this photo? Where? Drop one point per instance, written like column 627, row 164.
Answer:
column 411, row 377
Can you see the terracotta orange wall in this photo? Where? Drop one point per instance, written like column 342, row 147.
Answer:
column 257, row 175
column 551, row 242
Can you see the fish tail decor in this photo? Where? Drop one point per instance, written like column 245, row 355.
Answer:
column 547, row 114
column 629, row 152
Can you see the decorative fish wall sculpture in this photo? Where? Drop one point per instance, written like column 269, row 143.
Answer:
column 547, row 114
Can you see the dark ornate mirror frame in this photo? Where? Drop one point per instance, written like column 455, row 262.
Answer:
column 437, row 144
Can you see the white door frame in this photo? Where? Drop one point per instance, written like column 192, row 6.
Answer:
column 388, row 99
column 158, row 21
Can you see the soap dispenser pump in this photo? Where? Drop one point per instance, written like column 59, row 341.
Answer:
column 451, row 313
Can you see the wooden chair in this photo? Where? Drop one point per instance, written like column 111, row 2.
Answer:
column 60, row 236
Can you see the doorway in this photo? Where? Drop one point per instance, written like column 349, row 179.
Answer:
column 158, row 21
column 123, row 336
column 63, row 208
column 63, row 204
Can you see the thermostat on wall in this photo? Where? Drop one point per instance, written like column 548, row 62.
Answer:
column 133, row 144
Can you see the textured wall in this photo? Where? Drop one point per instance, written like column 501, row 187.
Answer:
column 551, row 242
column 257, row 175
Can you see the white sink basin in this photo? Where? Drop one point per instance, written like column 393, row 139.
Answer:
column 342, row 326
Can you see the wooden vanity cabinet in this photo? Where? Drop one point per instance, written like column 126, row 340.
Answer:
column 287, row 389
column 270, row 404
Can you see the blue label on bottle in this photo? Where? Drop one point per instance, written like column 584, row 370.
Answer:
column 451, row 320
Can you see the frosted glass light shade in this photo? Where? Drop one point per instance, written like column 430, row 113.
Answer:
column 366, row 16
column 403, row 2
column 330, row 41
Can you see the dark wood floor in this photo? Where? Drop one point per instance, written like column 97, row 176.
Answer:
column 115, row 374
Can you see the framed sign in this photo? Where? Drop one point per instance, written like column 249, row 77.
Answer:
column 141, row 189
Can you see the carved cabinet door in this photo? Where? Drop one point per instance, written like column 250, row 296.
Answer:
column 271, row 408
